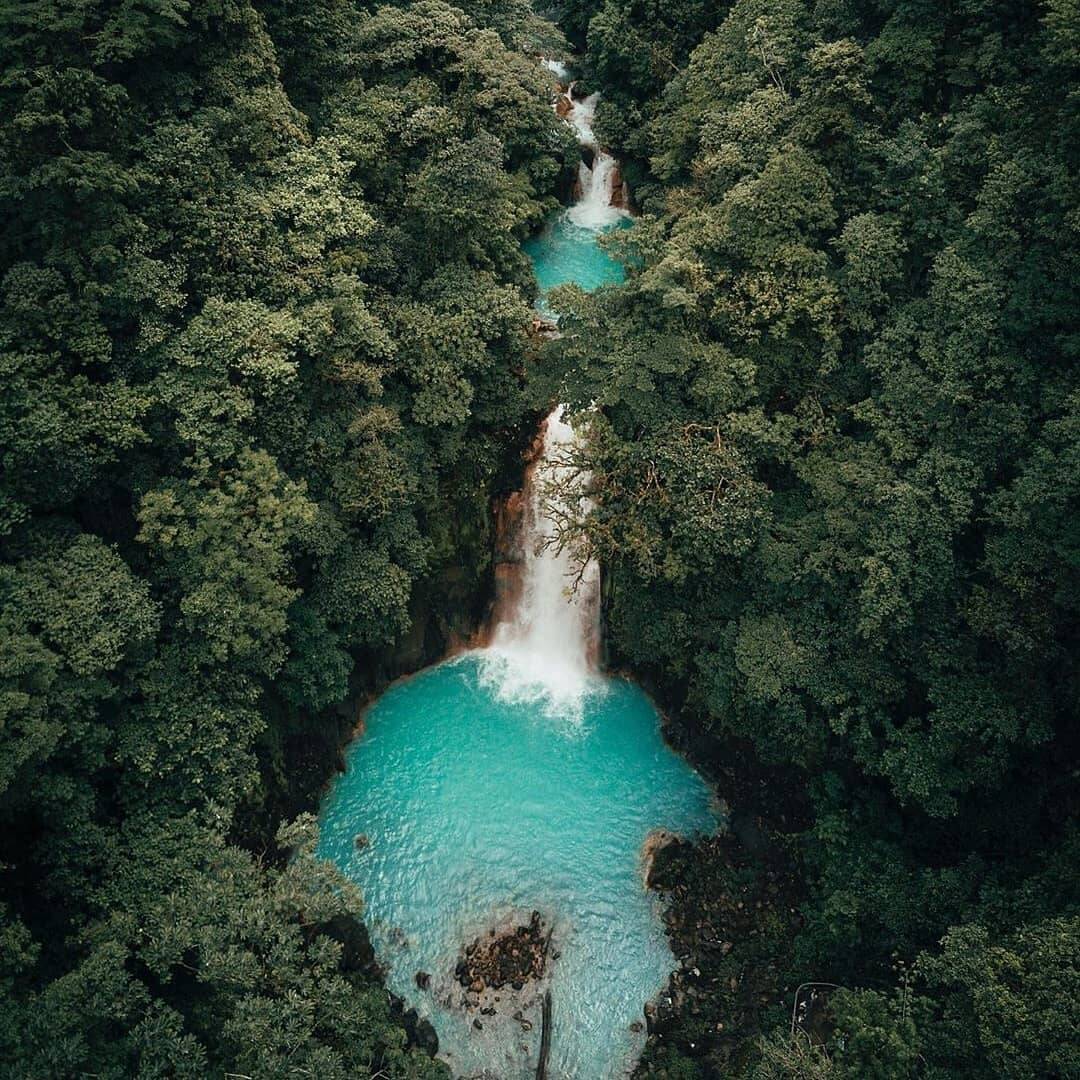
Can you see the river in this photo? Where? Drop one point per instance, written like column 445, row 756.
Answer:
column 518, row 778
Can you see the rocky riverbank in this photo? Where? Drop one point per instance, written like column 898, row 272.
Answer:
column 732, row 912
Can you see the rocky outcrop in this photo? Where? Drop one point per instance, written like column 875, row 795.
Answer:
column 732, row 912
column 419, row 1030
column 620, row 191
column 508, row 552
column 655, row 842
column 357, row 953
column 511, row 957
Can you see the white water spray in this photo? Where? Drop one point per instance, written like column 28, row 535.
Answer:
column 546, row 646
column 558, row 69
column 595, row 208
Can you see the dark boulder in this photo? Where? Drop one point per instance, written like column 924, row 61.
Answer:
column 513, row 955
column 418, row 1029
column 666, row 864
column 357, row 953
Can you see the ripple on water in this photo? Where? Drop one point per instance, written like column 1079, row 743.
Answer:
column 480, row 809
column 566, row 253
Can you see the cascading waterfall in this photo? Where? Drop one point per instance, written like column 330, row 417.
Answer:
column 544, row 649
column 595, row 208
column 558, row 69
column 545, row 646
column 566, row 250
column 468, row 804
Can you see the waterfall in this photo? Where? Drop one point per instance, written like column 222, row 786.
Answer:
column 595, row 208
column 546, row 642
column 558, row 69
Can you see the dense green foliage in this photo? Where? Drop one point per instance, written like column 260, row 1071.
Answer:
column 263, row 326
column 835, row 471
column 262, row 339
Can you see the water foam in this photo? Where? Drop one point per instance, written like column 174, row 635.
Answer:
column 558, row 69
column 593, row 210
column 544, row 652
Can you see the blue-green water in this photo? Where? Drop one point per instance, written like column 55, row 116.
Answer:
column 479, row 808
column 565, row 253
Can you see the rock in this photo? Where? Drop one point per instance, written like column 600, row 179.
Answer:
column 564, row 107
column 620, row 190
column 361, row 841
column 476, row 1024
column 357, row 953
column 660, row 859
column 661, row 1019
column 637, row 1026
column 418, row 1029
column 510, row 956
column 423, row 980
column 424, row 1037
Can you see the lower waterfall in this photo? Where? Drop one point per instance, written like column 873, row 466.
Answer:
column 545, row 647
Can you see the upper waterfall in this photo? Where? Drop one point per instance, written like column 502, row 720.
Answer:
column 595, row 207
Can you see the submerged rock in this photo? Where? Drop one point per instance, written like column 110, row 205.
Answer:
column 511, row 956
column 422, row 1035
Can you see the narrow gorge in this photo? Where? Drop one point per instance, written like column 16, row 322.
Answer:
column 516, row 786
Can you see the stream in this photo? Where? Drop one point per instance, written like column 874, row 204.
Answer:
column 517, row 778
